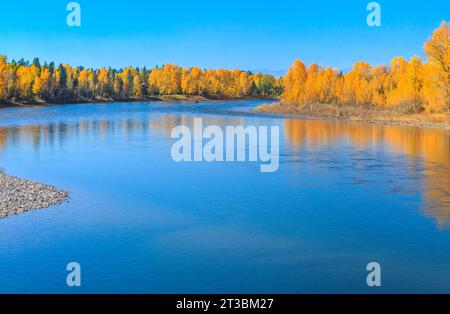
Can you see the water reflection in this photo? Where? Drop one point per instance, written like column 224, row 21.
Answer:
column 429, row 147
column 60, row 133
column 427, row 150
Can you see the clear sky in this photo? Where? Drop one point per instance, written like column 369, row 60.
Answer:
column 245, row 34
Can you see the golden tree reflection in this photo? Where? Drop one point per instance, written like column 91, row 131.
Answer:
column 432, row 146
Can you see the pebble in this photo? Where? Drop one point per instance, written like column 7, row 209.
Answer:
column 19, row 195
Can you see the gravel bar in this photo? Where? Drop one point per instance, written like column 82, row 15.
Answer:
column 19, row 195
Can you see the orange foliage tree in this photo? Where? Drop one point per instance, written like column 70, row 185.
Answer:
column 23, row 81
column 412, row 85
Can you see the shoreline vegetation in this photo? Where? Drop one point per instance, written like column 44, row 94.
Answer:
column 25, row 83
column 364, row 114
column 414, row 92
column 19, row 195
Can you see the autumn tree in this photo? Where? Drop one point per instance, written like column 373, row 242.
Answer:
column 410, row 86
column 3, row 83
column 294, row 83
column 415, row 82
column 437, row 70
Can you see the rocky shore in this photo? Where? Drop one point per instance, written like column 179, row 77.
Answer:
column 19, row 195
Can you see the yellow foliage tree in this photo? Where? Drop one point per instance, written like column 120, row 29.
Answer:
column 412, row 85
column 437, row 70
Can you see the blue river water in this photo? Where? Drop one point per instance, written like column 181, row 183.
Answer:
column 345, row 194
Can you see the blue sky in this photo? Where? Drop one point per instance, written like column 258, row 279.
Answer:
column 245, row 34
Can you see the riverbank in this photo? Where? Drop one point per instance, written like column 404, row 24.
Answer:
column 41, row 103
column 359, row 114
column 19, row 195
column 165, row 98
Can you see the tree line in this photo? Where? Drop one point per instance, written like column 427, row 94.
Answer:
column 411, row 86
column 24, row 81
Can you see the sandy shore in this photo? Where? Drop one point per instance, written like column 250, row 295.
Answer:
column 359, row 114
column 19, row 195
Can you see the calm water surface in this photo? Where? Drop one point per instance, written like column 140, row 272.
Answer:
column 345, row 194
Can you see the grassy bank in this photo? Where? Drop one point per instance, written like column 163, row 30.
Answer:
column 368, row 114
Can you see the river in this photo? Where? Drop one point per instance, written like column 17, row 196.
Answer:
column 345, row 194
